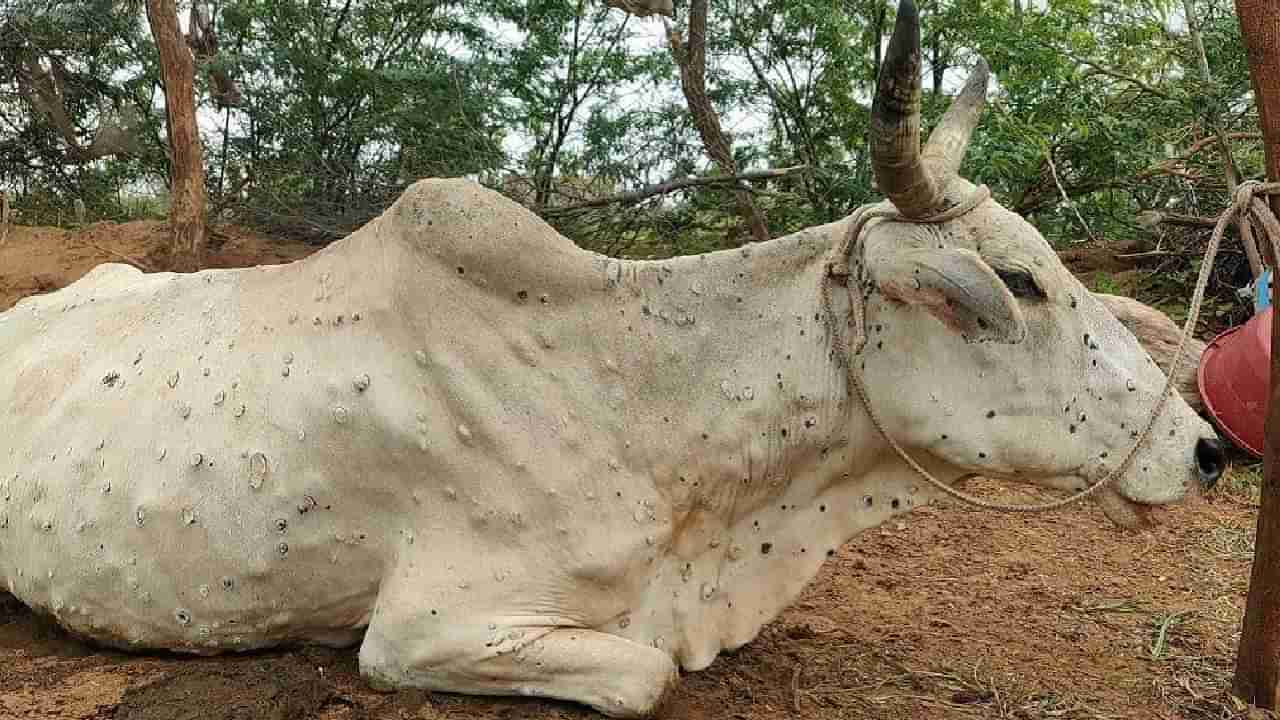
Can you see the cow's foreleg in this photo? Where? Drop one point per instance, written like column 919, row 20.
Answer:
column 612, row 674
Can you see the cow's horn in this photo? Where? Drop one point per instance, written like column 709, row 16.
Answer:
column 895, row 123
column 945, row 150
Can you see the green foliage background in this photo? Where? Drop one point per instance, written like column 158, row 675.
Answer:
column 1100, row 112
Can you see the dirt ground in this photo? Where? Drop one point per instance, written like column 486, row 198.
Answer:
column 949, row 613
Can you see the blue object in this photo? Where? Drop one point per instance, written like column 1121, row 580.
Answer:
column 1262, row 291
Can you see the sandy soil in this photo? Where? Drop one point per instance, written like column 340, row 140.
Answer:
column 950, row 613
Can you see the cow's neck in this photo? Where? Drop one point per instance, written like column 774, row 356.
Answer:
column 767, row 460
column 707, row 394
column 737, row 374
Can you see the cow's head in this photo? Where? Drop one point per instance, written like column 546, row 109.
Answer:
column 983, row 351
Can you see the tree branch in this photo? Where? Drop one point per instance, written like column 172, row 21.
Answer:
column 642, row 8
column 1140, row 84
column 1151, row 218
column 670, row 186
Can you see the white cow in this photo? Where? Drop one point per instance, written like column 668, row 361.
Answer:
column 505, row 465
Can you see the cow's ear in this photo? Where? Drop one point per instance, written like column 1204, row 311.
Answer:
column 955, row 286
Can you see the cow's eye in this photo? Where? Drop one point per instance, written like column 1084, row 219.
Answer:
column 1020, row 283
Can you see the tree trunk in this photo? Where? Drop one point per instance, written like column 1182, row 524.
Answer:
column 1257, row 677
column 877, row 26
column 186, row 162
column 692, row 60
column 938, row 65
column 4, row 216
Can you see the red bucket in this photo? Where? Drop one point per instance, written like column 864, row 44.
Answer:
column 1234, row 377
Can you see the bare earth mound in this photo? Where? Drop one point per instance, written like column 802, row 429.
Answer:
column 952, row 613
column 40, row 259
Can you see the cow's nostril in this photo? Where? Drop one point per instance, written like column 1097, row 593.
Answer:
column 1211, row 460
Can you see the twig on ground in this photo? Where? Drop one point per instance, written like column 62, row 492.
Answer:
column 131, row 260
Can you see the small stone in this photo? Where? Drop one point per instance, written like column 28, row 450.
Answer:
column 173, row 379
column 184, row 410
column 708, row 591
column 239, row 411
column 196, row 459
column 283, row 549
column 339, row 414
column 188, row 516
column 182, row 616
column 361, row 383
column 219, row 397
column 421, row 357
column 288, row 358
column 284, row 371
column 282, row 525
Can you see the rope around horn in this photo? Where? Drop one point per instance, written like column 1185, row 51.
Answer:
column 1242, row 203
